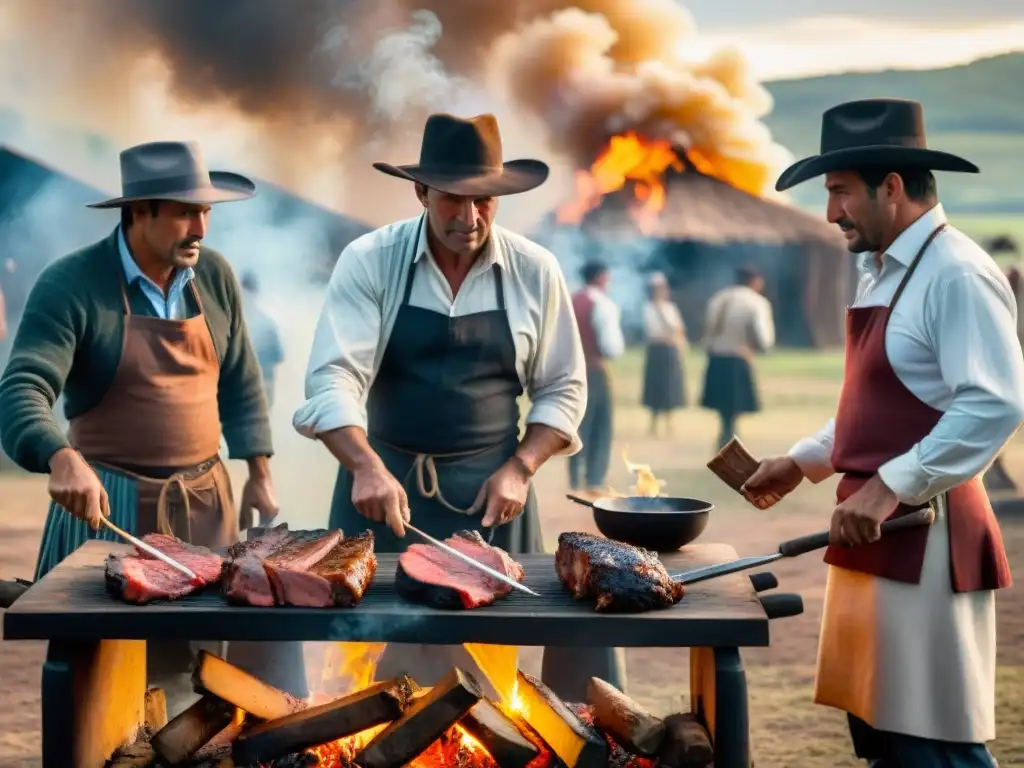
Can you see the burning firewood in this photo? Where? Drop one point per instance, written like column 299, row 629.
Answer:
column 500, row 735
column 380, row 703
column 138, row 755
column 423, row 722
column 156, row 709
column 686, row 744
column 574, row 742
column 630, row 724
column 190, row 731
column 211, row 674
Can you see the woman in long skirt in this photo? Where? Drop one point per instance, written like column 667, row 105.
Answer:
column 664, row 377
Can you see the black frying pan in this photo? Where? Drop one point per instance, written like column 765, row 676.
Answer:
column 658, row 523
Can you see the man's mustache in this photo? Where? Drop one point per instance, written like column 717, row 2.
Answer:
column 846, row 225
column 188, row 244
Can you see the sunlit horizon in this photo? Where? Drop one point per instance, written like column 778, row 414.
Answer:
column 827, row 45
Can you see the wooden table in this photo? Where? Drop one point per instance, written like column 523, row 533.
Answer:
column 94, row 678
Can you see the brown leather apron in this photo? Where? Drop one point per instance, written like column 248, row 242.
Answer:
column 159, row 423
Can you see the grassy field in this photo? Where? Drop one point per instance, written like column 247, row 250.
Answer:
column 788, row 730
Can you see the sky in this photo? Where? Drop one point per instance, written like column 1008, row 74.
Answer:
column 797, row 38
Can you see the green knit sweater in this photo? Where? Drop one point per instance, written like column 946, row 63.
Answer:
column 70, row 340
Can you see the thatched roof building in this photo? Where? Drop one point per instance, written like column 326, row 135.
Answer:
column 706, row 230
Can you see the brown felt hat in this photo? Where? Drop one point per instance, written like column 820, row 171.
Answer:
column 463, row 157
column 176, row 171
column 872, row 133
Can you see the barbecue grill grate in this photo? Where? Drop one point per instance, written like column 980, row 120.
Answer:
column 72, row 602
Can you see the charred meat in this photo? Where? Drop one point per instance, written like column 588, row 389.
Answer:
column 619, row 577
column 431, row 576
column 141, row 578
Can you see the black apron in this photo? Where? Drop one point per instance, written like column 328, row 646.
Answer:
column 443, row 416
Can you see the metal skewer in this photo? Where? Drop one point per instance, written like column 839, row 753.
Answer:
column 149, row 549
column 474, row 563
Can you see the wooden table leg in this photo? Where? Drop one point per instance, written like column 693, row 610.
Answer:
column 718, row 696
column 93, row 700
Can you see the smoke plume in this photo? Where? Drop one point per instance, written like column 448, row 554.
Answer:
column 309, row 93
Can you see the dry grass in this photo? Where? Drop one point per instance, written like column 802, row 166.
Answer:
column 799, row 390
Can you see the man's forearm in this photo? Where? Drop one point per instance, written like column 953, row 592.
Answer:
column 259, row 467
column 539, row 444
column 351, row 447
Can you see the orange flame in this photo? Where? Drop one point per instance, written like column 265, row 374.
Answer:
column 627, row 158
column 632, row 158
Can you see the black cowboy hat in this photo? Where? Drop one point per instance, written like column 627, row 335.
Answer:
column 872, row 133
column 463, row 157
column 176, row 171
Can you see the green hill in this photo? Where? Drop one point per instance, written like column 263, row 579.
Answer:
column 975, row 110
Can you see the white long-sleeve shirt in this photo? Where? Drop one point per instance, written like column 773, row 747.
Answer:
column 663, row 322
column 606, row 321
column 952, row 341
column 366, row 291
column 738, row 320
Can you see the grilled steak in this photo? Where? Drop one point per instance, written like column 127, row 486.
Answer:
column 300, row 552
column 431, row 576
column 141, row 578
column 621, row 577
column 340, row 578
column 244, row 579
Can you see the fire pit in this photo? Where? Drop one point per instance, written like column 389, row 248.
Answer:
column 94, row 679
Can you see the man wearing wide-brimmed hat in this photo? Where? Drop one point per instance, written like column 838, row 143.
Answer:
column 143, row 334
column 933, row 388
column 432, row 329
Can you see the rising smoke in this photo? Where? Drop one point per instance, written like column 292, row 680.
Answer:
column 308, row 93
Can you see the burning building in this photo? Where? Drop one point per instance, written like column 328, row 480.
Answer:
column 649, row 205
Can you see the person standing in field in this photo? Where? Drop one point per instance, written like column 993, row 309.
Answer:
column 738, row 326
column 600, row 331
column 664, row 388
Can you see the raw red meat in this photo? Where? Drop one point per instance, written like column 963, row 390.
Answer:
column 339, row 579
column 141, row 578
column 244, row 579
column 431, row 576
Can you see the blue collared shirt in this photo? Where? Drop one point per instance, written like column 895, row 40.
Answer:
column 169, row 307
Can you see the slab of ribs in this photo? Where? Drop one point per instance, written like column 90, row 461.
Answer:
column 618, row 577
column 433, row 577
column 313, row 569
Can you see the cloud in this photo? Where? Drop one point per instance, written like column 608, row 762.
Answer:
column 834, row 44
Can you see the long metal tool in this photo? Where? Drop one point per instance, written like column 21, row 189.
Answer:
column 470, row 561
column 794, row 547
column 149, row 549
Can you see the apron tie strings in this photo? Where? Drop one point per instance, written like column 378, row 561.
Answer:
column 163, row 505
column 426, row 471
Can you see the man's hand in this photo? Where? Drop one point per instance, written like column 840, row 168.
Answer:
column 76, row 487
column 258, row 494
column 858, row 519
column 773, row 479
column 378, row 496
column 504, row 493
